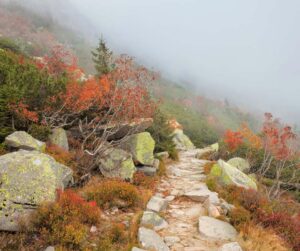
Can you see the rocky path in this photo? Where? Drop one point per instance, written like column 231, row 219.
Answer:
column 180, row 209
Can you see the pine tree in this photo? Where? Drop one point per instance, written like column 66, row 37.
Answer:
column 102, row 58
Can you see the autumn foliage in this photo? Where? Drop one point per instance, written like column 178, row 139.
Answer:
column 67, row 221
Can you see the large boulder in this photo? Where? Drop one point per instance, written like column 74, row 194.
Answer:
column 23, row 140
column 141, row 146
column 227, row 174
column 181, row 141
column 117, row 163
column 240, row 164
column 216, row 229
column 28, row 178
column 59, row 138
column 151, row 240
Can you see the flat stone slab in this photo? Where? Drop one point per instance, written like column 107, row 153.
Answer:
column 148, row 170
column 201, row 195
column 232, row 246
column 151, row 240
column 216, row 229
column 137, row 249
column 157, row 204
column 152, row 219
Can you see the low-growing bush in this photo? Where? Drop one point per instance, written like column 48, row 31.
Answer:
column 253, row 237
column 286, row 226
column 162, row 169
column 62, row 156
column 3, row 149
column 140, row 179
column 208, row 166
column 65, row 222
column 239, row 216
column 110, row 193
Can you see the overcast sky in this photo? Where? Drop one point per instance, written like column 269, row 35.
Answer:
column 247, row 51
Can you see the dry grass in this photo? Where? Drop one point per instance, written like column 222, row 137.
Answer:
column 257, row 238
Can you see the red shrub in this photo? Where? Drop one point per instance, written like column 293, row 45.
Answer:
column 66, row 221
column 286, row 226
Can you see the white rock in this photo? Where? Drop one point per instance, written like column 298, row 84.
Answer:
column 137, row 249
column 93, row 229
column 157, row 204
column 232, row 246
column 151, row 240
column 201, row 195
column 170, row 198
column 50, row 248
column 216, row 229
column 171, row 240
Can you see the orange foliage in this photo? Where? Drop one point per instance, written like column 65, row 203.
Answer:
column 113, row 192
column 67, row 221
column 22, row 112
column 233, row 139
column 254, row 140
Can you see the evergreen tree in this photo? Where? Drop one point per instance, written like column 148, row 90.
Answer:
column 102, row 58
column 162, row 135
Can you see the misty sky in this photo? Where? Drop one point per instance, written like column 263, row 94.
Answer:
column 247, row 51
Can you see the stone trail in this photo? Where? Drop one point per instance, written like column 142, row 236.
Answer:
column 188, row 199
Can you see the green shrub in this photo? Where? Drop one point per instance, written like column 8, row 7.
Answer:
column 23, row 86
column 39, row 132
column 9, row 44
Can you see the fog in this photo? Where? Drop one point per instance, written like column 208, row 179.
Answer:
column 245, row 51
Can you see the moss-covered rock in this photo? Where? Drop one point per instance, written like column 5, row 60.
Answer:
column 59, row 138
column 23, row 140
column 182, row 141
column 240, row 164
column 28, row 178
column 141, row 146
column 227, row 174
column 117, row 163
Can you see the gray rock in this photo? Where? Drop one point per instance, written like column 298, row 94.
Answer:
column 157, row 204
column 59, row 138
column 201, row 195
column 147, row 170
column 152, row 219
column 240, row 163
column 232, row 246
column 50, row 248
column 116, row 163
column 141, row 147
column 22, row 140
column 182, row 141
column 151, row 240
column 227, row 174
column 216, row 229
column 170, row 198
column 156, row 163
column 28, row 178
